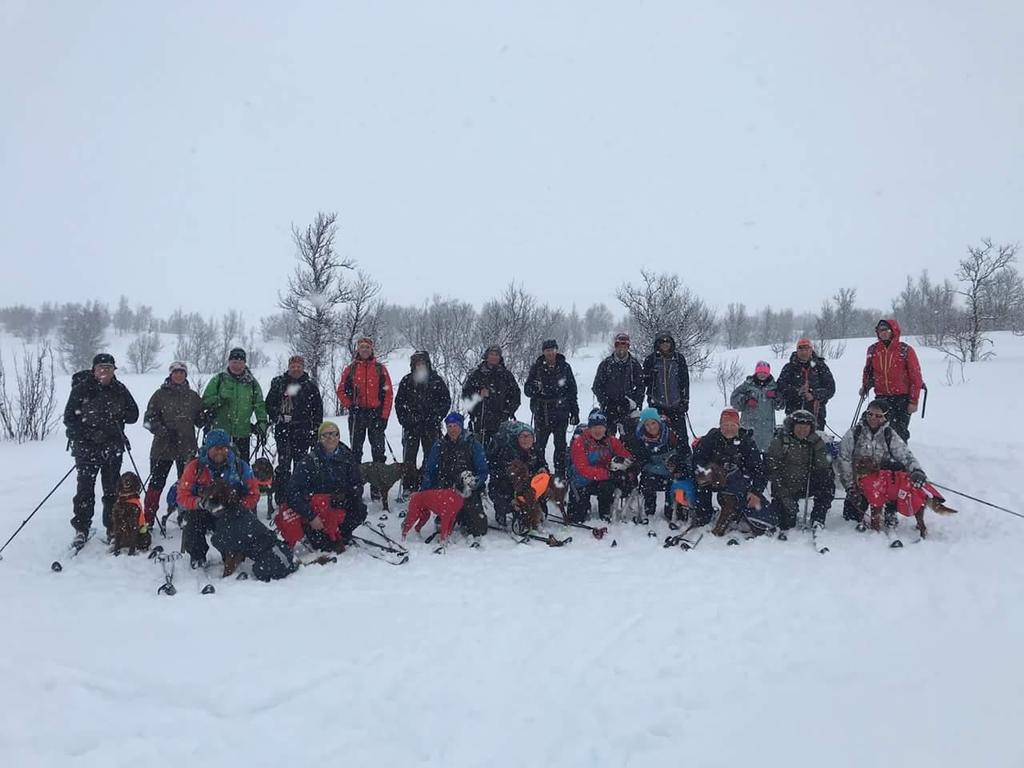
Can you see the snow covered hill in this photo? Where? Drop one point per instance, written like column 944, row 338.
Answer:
column 589, row 655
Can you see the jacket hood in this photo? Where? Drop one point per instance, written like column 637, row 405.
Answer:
column 493, row 348
column 664, row 337
column 420, row 357
column 894, row 324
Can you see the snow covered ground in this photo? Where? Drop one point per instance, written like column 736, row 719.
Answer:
column 587, row 655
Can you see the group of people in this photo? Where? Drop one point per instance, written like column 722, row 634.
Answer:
column 622, row 446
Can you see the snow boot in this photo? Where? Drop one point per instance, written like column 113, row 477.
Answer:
column 231, row 562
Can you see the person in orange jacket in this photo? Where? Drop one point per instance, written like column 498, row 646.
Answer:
column 216, row 461
column 365, row 392
column 893, row 371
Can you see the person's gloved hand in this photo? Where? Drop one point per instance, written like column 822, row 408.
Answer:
column 574, row 418
column 770, row 393
column 752, row 403
column 918, row 478
column 620, row 464
column 259, row 430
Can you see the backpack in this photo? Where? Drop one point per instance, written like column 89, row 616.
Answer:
column 505, row 437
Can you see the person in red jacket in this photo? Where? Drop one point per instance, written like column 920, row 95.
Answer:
column 216, row 461
column 598, row 462
column 365, row 392
column 893, row 371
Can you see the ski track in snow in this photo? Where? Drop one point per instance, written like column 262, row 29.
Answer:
column 518, row 655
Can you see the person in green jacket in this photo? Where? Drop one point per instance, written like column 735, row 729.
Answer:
column 233, row 397
column 799, row 467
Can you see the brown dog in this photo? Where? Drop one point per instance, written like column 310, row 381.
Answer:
column 382, row 477
column 130, row 527
column 216, row 496
column 525, row 497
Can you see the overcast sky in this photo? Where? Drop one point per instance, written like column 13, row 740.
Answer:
column 768, row 152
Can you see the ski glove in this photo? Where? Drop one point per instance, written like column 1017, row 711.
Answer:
column 917, row 478
column 574, row 418
column 620, row 464
column 752, row 403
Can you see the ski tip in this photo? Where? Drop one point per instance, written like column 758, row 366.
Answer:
column 615, row 543
column 732, row 542
column 56, row 567
column 896, row 544
column 823, row 550
column 209, row 589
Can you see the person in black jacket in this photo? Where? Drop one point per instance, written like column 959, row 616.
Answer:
column 423, row 400
column 330, row 470
column 295, row 408
column 806, row 383
column 521, row 446
column 667, row 381
column 496, row 393
column 551, row 388
column 727, row 461
column 619, row 388
column 97, row 410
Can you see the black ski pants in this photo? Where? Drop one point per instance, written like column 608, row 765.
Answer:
column 363, row 424
column 197, row 524
column 159, row 470
column 108, row 467
column 292, row 446
column 545, row 428
column 896, row 414
column 418, row 436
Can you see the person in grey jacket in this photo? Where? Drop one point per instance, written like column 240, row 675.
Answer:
column 757, row 403
column 875, row 440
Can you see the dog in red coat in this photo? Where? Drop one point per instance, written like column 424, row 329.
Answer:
column 443, row 502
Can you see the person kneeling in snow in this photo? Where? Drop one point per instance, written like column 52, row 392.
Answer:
column 458, row 462
column 598, row 464
column 727, row 462
column 216, row 461
column 878, row 469
column 663, row 458
column 514, row 442
column 239, row 536
column 798, row 462
column 326, row 493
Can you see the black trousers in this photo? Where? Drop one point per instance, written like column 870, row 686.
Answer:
column 419, row 436
column 159, row 470
column 650, row 486
column 197, row 523
column 604, row 490
column 545, row 428
column 367, row 423
column 108, row 467
column 896, row 414
column 292, row 445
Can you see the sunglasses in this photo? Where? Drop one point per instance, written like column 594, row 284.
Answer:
column 330, row 433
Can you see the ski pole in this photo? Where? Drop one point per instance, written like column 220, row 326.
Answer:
column 690, row 425
column 856, row 413
column 390, row 450
column 38, row 507
column 975, row 498
column 924, row 402
column 810, row 467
